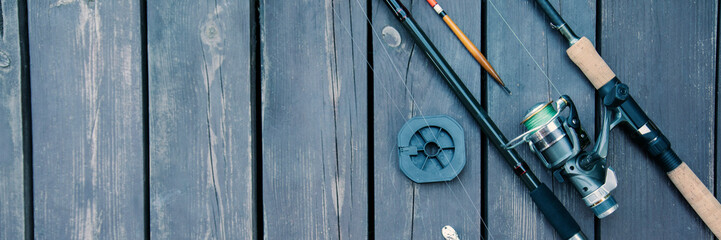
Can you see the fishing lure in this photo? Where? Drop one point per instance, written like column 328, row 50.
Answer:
column 468, row 44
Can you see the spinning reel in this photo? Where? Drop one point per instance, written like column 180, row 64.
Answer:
column 559, row 143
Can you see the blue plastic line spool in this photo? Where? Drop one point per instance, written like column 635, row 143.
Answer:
column 431, row 149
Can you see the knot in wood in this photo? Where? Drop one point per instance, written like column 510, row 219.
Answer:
column 210, row 34
column 211, row 31
column 4, row 59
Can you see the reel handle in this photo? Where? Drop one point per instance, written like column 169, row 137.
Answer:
column 698, row 196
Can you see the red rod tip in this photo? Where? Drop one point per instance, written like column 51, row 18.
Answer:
column 432, row 2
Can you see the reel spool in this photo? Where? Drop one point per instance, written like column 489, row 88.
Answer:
column 550, row 139
column 559, row 142
column 431, row 149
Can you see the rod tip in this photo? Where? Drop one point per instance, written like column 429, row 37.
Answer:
column 507, row 90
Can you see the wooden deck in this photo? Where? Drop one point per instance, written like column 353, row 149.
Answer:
column 133, row 119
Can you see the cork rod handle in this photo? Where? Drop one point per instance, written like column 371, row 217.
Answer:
column 698, row 196
column 584, row 55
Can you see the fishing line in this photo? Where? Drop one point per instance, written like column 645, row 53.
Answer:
column 524, row 47
column 413, row 101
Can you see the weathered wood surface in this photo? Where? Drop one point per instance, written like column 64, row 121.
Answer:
column 667, row 57
column 328, row 160
column 12, row 201
column 350, row 89
column 87, row 119
column 314, row 120
column 201, row 136
column 407, row 85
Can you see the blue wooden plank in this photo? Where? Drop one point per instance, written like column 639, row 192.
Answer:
column 666, row 52
column 508, row 200
column 511, row 212
column 351, row 116
column 87, row 119
column 313, row 96
column 201, row 145
column 406, row 85
column 393, row 192
column 12, row 202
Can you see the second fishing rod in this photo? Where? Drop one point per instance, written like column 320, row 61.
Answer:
column 615, row 96
column 547, row 202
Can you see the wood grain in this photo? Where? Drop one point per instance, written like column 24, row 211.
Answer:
column 201, row 137
column 668, row 63
column 12, row 201
column 314, row 119
column 406, row 85
column 85, row 63
column 351, row 116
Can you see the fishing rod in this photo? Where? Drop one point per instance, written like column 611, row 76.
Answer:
column 550, row 206
column 615, row 96
column 467, row 43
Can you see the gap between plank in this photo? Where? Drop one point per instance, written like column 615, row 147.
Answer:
column 484, row 140
column 599, row 21
column 146, row 114
column 716, row 106
column 370, row 109
column 26, row 119
column 256, row 113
